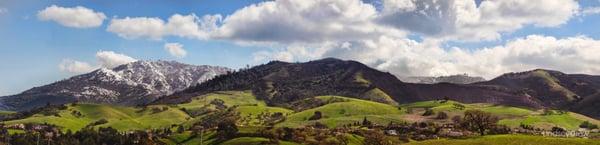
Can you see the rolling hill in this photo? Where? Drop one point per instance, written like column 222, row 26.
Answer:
column 281, row 83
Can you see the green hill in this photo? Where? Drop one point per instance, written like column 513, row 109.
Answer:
column 510, row 116
column 509, row 140
column 120, row 118
column 346, row 112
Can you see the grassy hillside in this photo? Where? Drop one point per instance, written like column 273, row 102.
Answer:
column 248, row 105
column 253, row 141
column 120, row 118
column 346, row 112
column 336, row 113
column 510, row 116
column 509, row 140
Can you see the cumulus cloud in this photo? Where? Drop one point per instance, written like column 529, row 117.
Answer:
column 405, row 57
column 106, row 59
column 175, row 49
column 317, row 21
column 110, row 59
column 75, row 67
column 353, row 29
column 293, row 21
column 590, row 11
column 189, row 26
column 76, row 17
column 464, row 20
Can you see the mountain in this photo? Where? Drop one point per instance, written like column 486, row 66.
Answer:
column 283, row 84
column 134, row 83
column 280, row 83
column 454, row 79
column 554, row 89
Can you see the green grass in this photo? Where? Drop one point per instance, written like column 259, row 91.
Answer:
column 449, row 107
column 510, row 116
column 253, row 141
column 248, row 104
column 379, row 96
column 340, row 113
column 2, row 112
column 509, row 140
column 120, row 118
column 569, row 121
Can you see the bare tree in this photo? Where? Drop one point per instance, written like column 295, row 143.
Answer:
column 477, row 120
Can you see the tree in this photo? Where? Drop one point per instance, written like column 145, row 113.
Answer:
column 458, row 106
column 180, row 129
column 588, row 125
column 441, row 115
column 428, row 112
column 226, row 129
column 376, row 137
column 446, row 99
column 479, row 121
column 456, row 119
column 366, row 122
column 316, row 116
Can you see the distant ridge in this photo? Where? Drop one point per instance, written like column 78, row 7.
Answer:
column 454, row 79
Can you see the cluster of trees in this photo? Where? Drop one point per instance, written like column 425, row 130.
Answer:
column 86, row 136
column 588, row 125
column 48, row 110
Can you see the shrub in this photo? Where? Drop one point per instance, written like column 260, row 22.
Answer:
column 588, row 125
column 458, row 106
column 316, row 116
column 441, row 115
column 428, row 112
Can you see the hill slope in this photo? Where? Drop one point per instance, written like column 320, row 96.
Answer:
column 129, row 84
column 576, row 92
column 281, row 83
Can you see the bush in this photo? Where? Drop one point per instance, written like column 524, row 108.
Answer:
column 441, row 115
column 316, row 116
column 458, row 106
column 428, row 112
column 588, row 125
column 456, row 119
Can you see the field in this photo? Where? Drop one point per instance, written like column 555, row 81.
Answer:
column 509, row 140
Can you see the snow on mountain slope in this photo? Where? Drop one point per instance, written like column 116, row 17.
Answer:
column 134, row 83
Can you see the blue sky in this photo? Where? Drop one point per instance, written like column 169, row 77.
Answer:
column 32, row 48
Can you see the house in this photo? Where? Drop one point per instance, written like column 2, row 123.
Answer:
column 391, row 132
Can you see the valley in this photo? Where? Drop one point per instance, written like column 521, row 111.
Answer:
column 254, row 115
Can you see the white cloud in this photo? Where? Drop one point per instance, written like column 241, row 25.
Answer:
column 110, row 59
column 175, row 49
column 3, row 11
column 405, row 57
column 75, row 67
column 189, row 26
column 590, row 11
column 76, row 17
column 295, row 21
column 105, row 59
column 464, row 20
